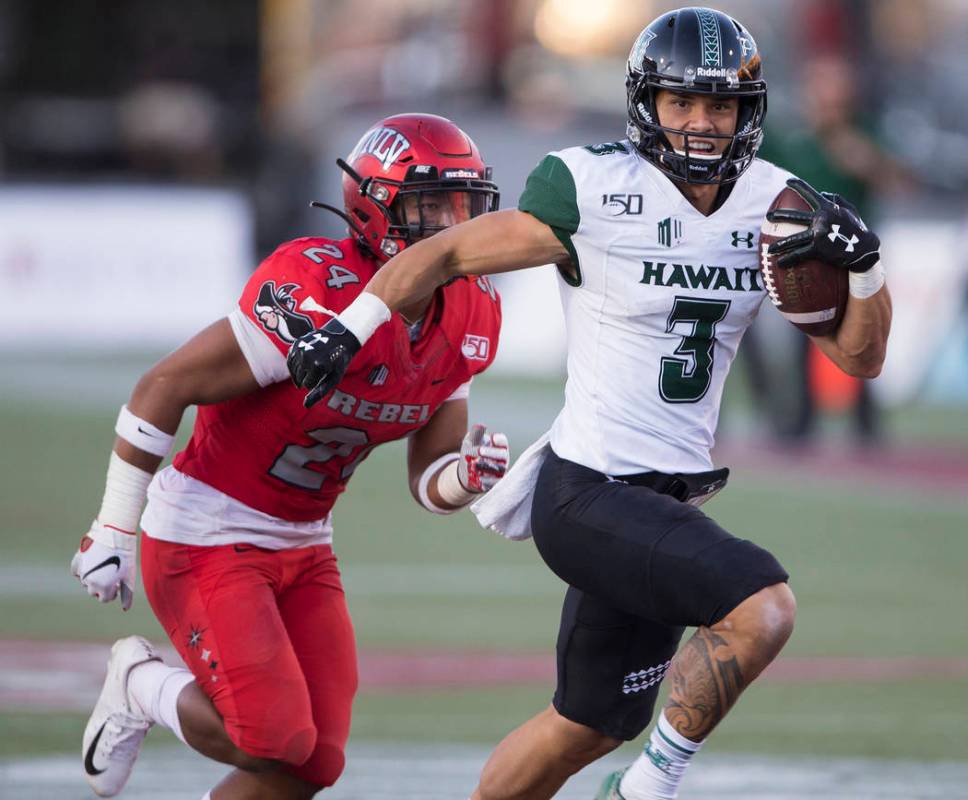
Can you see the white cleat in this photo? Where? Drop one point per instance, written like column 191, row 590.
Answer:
column 114, row 732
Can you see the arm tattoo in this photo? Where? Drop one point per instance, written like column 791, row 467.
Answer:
column 706, row 680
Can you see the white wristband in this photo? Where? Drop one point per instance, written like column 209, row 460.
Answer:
column 364, row 315
column 124, row 495
column 866, row 284
column 142, row 434
column 423, row 485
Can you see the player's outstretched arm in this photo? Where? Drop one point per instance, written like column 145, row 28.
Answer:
column 501, row 241
column 449, row 466
column 207, row 369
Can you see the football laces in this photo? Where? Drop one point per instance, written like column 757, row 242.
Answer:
column 768, row 281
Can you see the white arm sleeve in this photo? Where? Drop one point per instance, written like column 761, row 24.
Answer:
column 462, row 392
column 268, row 365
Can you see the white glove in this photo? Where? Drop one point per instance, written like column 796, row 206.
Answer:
column 483, row 459
column 106, row 563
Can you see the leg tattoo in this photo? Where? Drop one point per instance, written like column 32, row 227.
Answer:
column 705, row 681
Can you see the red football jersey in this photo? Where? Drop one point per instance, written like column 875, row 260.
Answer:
column 268, row 451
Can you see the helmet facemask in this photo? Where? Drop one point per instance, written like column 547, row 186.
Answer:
column 425, row 204
column 688, row 164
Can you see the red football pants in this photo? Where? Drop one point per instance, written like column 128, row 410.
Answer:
column 269, row 639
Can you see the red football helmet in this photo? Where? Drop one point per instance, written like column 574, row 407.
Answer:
column 410, row 176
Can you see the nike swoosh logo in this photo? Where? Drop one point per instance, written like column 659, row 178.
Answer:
column 115, row 560
column 146, row 433
column 440, row 380
column 310, row 304
column 89, row 767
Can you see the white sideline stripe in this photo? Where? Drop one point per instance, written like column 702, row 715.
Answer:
column 362, row 580
column 444, row 772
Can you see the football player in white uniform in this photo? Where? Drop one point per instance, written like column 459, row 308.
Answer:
column 655, row 241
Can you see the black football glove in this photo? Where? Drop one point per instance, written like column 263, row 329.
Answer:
column 835, row 232
column 318, row 360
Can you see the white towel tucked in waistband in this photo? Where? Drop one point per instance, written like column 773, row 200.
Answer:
column 507, row 507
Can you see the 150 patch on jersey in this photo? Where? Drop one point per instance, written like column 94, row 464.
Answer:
column 275, row 308
column 475, row 348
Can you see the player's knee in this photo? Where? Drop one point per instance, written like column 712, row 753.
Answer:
column 323, row 766
column 299, row 746
column 281, row 729
column 766, row 617
column 272, row 747
column 778, row 613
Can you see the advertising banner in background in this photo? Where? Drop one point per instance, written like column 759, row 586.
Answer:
column 113, row 268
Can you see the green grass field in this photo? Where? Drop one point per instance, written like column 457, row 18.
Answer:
column 877, row 574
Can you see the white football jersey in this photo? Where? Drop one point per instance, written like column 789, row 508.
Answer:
column 663, row 297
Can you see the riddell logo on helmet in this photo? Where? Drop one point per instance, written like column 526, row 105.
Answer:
column 711, row 72
column 384, row 144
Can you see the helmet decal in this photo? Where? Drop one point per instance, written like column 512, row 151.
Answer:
column 746, row 45
column 637, row 56
column 384, row 144
column 709, row 35
column 460, row 173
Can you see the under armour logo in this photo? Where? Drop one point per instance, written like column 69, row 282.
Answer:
column 746, row 239
column 836, row 234
column 317, row 337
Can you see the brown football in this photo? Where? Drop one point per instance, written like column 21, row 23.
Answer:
column 812, row 295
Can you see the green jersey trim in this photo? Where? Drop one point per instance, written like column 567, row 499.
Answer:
column 550, row 196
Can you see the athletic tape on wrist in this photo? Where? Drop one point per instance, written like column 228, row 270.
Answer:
column 451, row 489
column 866, row 284
column 142, row 434
column 125, row 490
column 423, row 485
column 364, row 315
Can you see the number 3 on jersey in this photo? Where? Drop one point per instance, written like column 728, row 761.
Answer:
column 686, row 380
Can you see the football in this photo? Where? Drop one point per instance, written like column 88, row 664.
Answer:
column 811, row 295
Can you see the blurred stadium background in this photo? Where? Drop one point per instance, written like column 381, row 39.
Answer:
column 151, row 154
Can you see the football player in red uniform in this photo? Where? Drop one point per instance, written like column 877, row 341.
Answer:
column 236, row 555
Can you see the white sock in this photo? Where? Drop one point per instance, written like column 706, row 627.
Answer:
column 655, row 774
column 153, row 688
